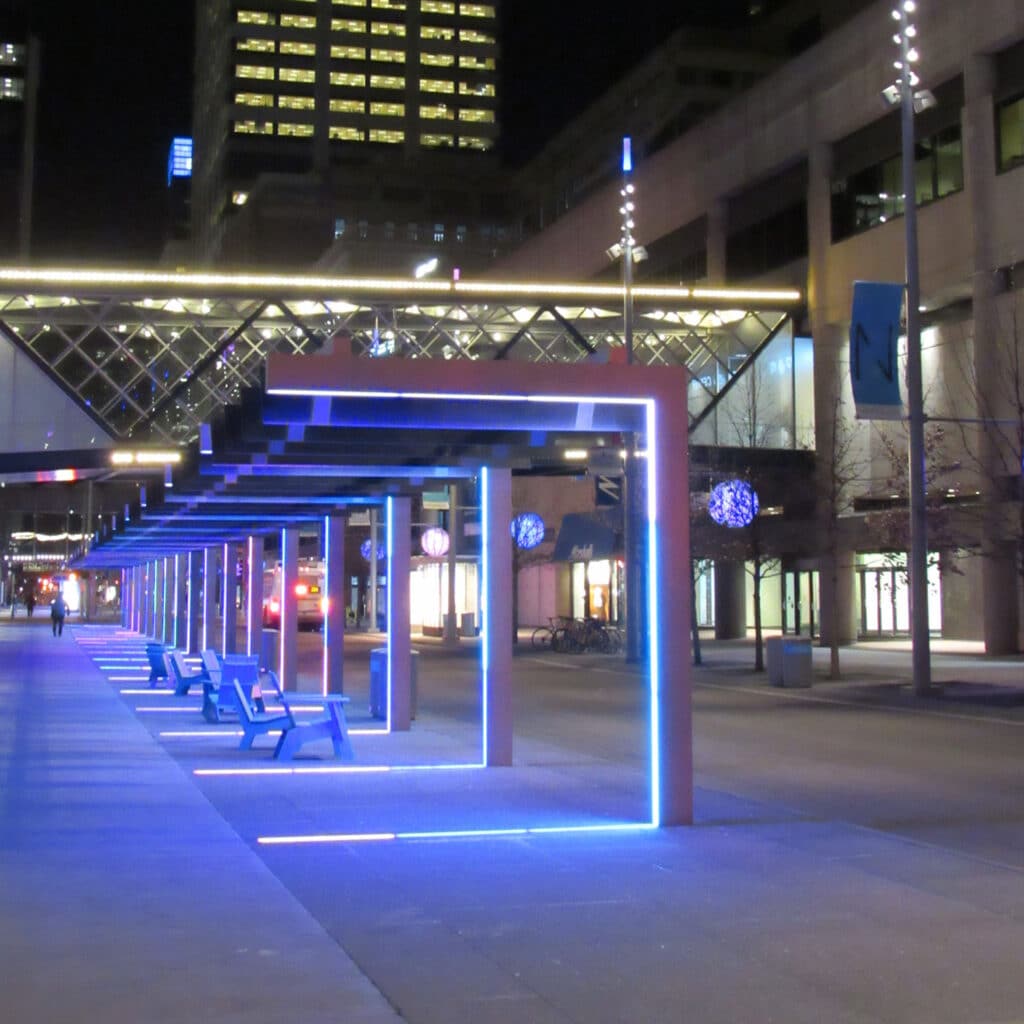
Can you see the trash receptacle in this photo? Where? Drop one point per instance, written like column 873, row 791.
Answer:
column 270, row 656
column 379, row 682
column 796, row 662
column 773, row 653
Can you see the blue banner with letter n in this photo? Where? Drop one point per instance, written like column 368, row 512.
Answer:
column 874, row 362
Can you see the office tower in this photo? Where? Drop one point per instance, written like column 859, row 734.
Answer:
column 19, row 83
column 345, row 121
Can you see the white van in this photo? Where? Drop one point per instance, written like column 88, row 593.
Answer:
column 310, row 592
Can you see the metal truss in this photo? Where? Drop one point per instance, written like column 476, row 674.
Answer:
column 153, row 368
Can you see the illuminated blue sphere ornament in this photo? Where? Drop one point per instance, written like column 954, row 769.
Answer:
column 367, row 546
column 527, row 530
column 434, row 542
column 733, row 503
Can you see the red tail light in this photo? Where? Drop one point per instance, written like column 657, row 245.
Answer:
column 301, row 590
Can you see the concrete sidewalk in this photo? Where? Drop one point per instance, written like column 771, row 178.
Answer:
column 133, row 890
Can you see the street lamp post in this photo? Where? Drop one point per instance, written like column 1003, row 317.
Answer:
column 918, row 561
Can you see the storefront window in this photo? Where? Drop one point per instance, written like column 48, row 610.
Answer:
column 1010, row 128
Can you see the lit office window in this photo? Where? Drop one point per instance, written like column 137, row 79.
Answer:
column 386, row 28
column 296, row 102
column 436, row 112
column 476, row 89
column 256, row 45
column 468, row 35
column 349, row 3
column 388, row 56
column 339, row 227
column 434, row 32
column 349, row 79
column 11, row 54
column 296, row 74
column 387, row 109
column 383, row 135
column 476, row 10
column 388, row 5
column 254, row 99
column 471, row 142
column 254, row 127
column 389, row 231
column 481, row 116
column 348, row 106
column 12, row 89
column 299, row 131
column 297, row 21
column 255, row 18
column 476, row 63
column 348, row 25
column 436, row 85
column 299, row 49
column 437, row 7
column 412, row 231
column 346, row 134
column 460, row 233
column 348, row 53
column 438, row 232
column 437, row 140
column 437, row 60
column 253, row 71
column 387, row 82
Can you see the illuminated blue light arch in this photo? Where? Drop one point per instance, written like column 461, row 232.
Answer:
column 733, row 503
column 366, row 549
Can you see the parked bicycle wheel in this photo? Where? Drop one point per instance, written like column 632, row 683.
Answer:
column 565, row 642
column 541, row 639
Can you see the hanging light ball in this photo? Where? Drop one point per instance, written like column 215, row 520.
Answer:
column 434, row 542
column 733, row 503
column 527, row 530
column 367, row 547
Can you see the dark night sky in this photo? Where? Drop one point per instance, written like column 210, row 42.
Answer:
column 116, row 86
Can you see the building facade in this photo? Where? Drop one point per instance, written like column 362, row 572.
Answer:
column 349, row 125
column 797, row 182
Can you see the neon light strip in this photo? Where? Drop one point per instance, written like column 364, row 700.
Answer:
column 485, row 608
column 177, row 593
column 363, row 769
column 147, row 692
column 326, row 598
column 202, row 734
column 126, row 679
column 161, row 711
column 206, row 596
column 224, row 601
column 459, row 396
column 191, row 586
column 249, row 630
column 280, row 628
column 389, row 542
column 653, row 612
column 482, row 833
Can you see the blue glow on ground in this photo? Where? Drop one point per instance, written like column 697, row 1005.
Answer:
column 469, row 833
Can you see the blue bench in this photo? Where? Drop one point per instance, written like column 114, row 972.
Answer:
column 218, row 691
column 294, row 735
column 181, row 676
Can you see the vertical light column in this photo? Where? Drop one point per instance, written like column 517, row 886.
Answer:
column 125, row 606
column 288, row 663
column 253, row 594
column 371, row 597
column 451, row 623
column 496, row 640
column 668, row 606
column 208, row 629
column 138, row 596
column 147, row 599
column 193, row 603
column 180, row 608
column 399, row 638
column 166, row 599
column 228, row 608
column 334, row 608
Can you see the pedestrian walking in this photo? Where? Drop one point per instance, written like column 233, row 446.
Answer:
column 30, row 602
column 58, row 610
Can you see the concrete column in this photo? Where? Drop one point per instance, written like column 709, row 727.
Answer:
column 138, row 599
column 228, row 608
column 399, row 639
column 288, row 663
column 669, row 617
column 496, row 501
column 125, row 598
column 730, row 600
column 992, row 361
column 717, row 233
column 334, row 593
column 170, row 581
column 148, row 581
column 194, row 603
column 371, row 597
column 842, row 598
column 451, row 623
column 254, row 595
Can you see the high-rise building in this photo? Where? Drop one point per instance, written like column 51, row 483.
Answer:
column 323, row 121
column 19, row 83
